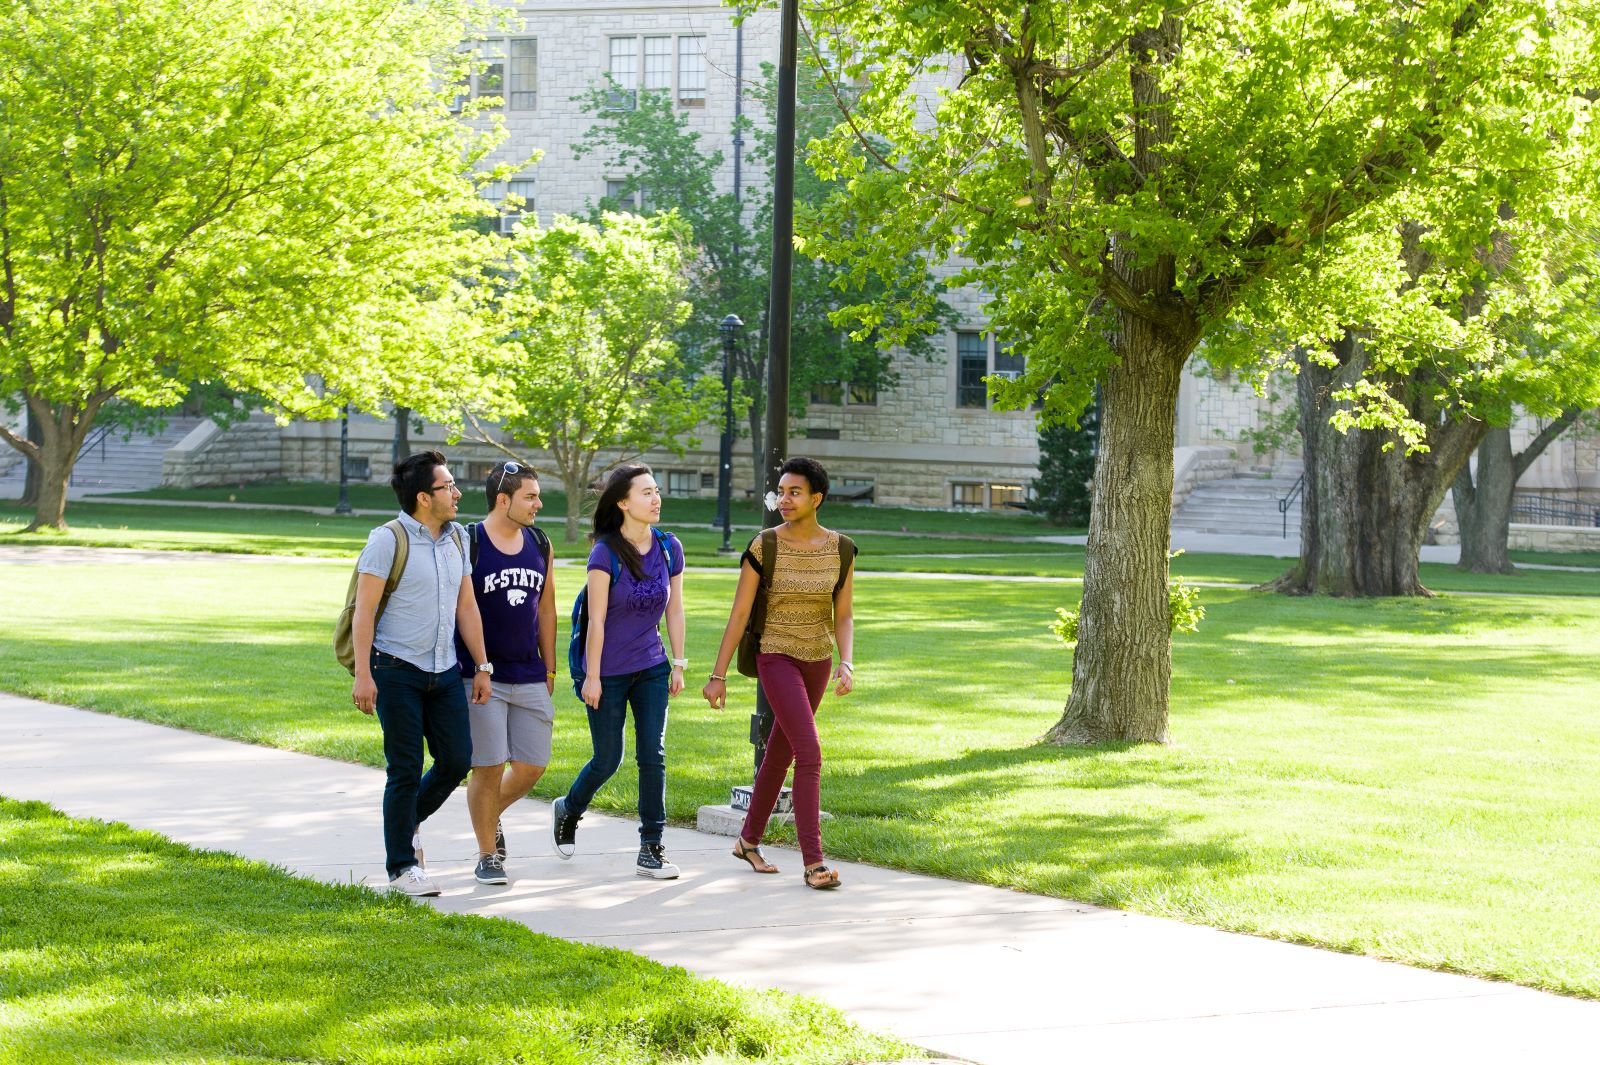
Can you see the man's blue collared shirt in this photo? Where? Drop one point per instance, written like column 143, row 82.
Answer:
column 419, row 624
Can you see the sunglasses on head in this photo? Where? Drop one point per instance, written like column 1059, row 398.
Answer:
column 511, row 468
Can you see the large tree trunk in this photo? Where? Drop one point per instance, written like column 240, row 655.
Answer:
column 1366, row 509
column 1483, row 506
column 30, row 483
column 1122, row 667
column 401, row 447
column 1483, row 502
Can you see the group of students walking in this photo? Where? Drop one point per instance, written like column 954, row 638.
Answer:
column 453, row 636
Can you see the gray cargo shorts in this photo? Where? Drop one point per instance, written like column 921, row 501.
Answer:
column 514, row 725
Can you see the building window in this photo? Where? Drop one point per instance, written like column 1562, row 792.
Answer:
column 657, row 64
column 691, row 71
column 1007, row 364
column 617, row 192
column 708, row 480
column 517, row 204
column 624, row 71
column 852, row 490
column 1004, row 496
column 862, row 395
column 827, row 393
column 524, row 74
column 966, row 495
column 972, row 363
column 682, row 482
column 489, row 80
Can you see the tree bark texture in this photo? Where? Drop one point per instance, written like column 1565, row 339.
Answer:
column 1122, row 667
column 1483, row 506
column 1366, row 509
column 1483, row 501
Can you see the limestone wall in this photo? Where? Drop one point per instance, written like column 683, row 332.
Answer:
column 1563, row 538
column 209, row 455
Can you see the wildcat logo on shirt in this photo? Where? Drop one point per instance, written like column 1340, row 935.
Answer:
column 515, row 579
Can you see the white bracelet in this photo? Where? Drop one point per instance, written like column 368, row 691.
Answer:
column 680, row 663
column 847, row 667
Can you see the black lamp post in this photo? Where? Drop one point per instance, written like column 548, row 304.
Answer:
column 730, row 337
column 344, row 462
column 779, row 302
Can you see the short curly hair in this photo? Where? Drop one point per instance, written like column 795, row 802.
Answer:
column 816, row 477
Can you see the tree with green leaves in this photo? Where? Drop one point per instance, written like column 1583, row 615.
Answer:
column 668, row 169
column 1484, row 495
column 1130, row 180
column 265, row 197
column 1388, row 422
column 1066, row 469
column 588, row 363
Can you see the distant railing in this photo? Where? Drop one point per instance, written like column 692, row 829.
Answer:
column 1289, row 499
column 97, row 439
column 1546, row 510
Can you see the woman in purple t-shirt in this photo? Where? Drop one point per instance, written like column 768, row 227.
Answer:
column 626, row 664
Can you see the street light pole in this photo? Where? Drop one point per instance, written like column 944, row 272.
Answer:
column 344, row 461
column 730, row 330
column 779, row 304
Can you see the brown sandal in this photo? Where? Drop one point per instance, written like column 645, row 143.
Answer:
column 746, row 853
column 821, row 877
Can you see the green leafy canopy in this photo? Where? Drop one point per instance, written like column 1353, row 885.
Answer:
column 1260, row 154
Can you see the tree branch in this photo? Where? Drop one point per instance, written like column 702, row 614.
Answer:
column 1545, row 437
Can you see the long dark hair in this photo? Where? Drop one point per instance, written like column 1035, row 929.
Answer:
column 608, row 517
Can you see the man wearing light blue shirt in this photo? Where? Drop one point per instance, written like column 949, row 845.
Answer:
column 405, row 659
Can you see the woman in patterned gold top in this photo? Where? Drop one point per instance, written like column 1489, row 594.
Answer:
column 808, row 611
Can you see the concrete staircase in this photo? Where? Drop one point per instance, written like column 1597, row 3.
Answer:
column 1239, row 506
column 113, row 464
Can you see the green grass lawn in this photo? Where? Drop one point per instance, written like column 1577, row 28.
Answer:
column 288, row 533
column 1409, row 779
column 118, row 945
column 698, row 510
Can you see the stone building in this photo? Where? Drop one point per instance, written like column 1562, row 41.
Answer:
column 929, row 440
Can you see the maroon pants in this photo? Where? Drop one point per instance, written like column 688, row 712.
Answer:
column 794, row 689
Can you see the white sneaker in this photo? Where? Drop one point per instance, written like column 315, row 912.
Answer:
column 414, row 882
column 416, row 847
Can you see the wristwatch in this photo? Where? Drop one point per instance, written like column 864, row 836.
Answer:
column 486, row 667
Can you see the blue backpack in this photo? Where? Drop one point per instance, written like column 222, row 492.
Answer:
column 579, row 639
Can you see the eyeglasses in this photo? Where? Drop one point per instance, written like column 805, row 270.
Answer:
column 510, row 467
column 451, row 485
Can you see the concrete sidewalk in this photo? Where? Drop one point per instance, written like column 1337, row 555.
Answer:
column 974, row 972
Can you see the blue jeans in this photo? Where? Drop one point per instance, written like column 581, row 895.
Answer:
column 417, row 708
column 646, row 692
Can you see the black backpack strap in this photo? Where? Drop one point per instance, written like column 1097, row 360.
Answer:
column 847, row 557
column 546, row 548
column 472, row 535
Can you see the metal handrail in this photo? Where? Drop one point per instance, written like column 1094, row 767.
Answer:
column 97, row 438
column 1543, row 510
column 1288, row 500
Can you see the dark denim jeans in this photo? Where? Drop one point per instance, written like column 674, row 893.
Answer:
column 417, row 708
column 646, row 692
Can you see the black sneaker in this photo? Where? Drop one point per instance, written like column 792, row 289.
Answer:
column 653, row 863
column 490, row 870
column 564, row 828
column 499, row 839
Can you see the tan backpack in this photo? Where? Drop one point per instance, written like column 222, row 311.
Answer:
column 344, row 642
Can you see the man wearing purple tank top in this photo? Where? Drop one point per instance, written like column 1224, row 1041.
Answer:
column 511, row 579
